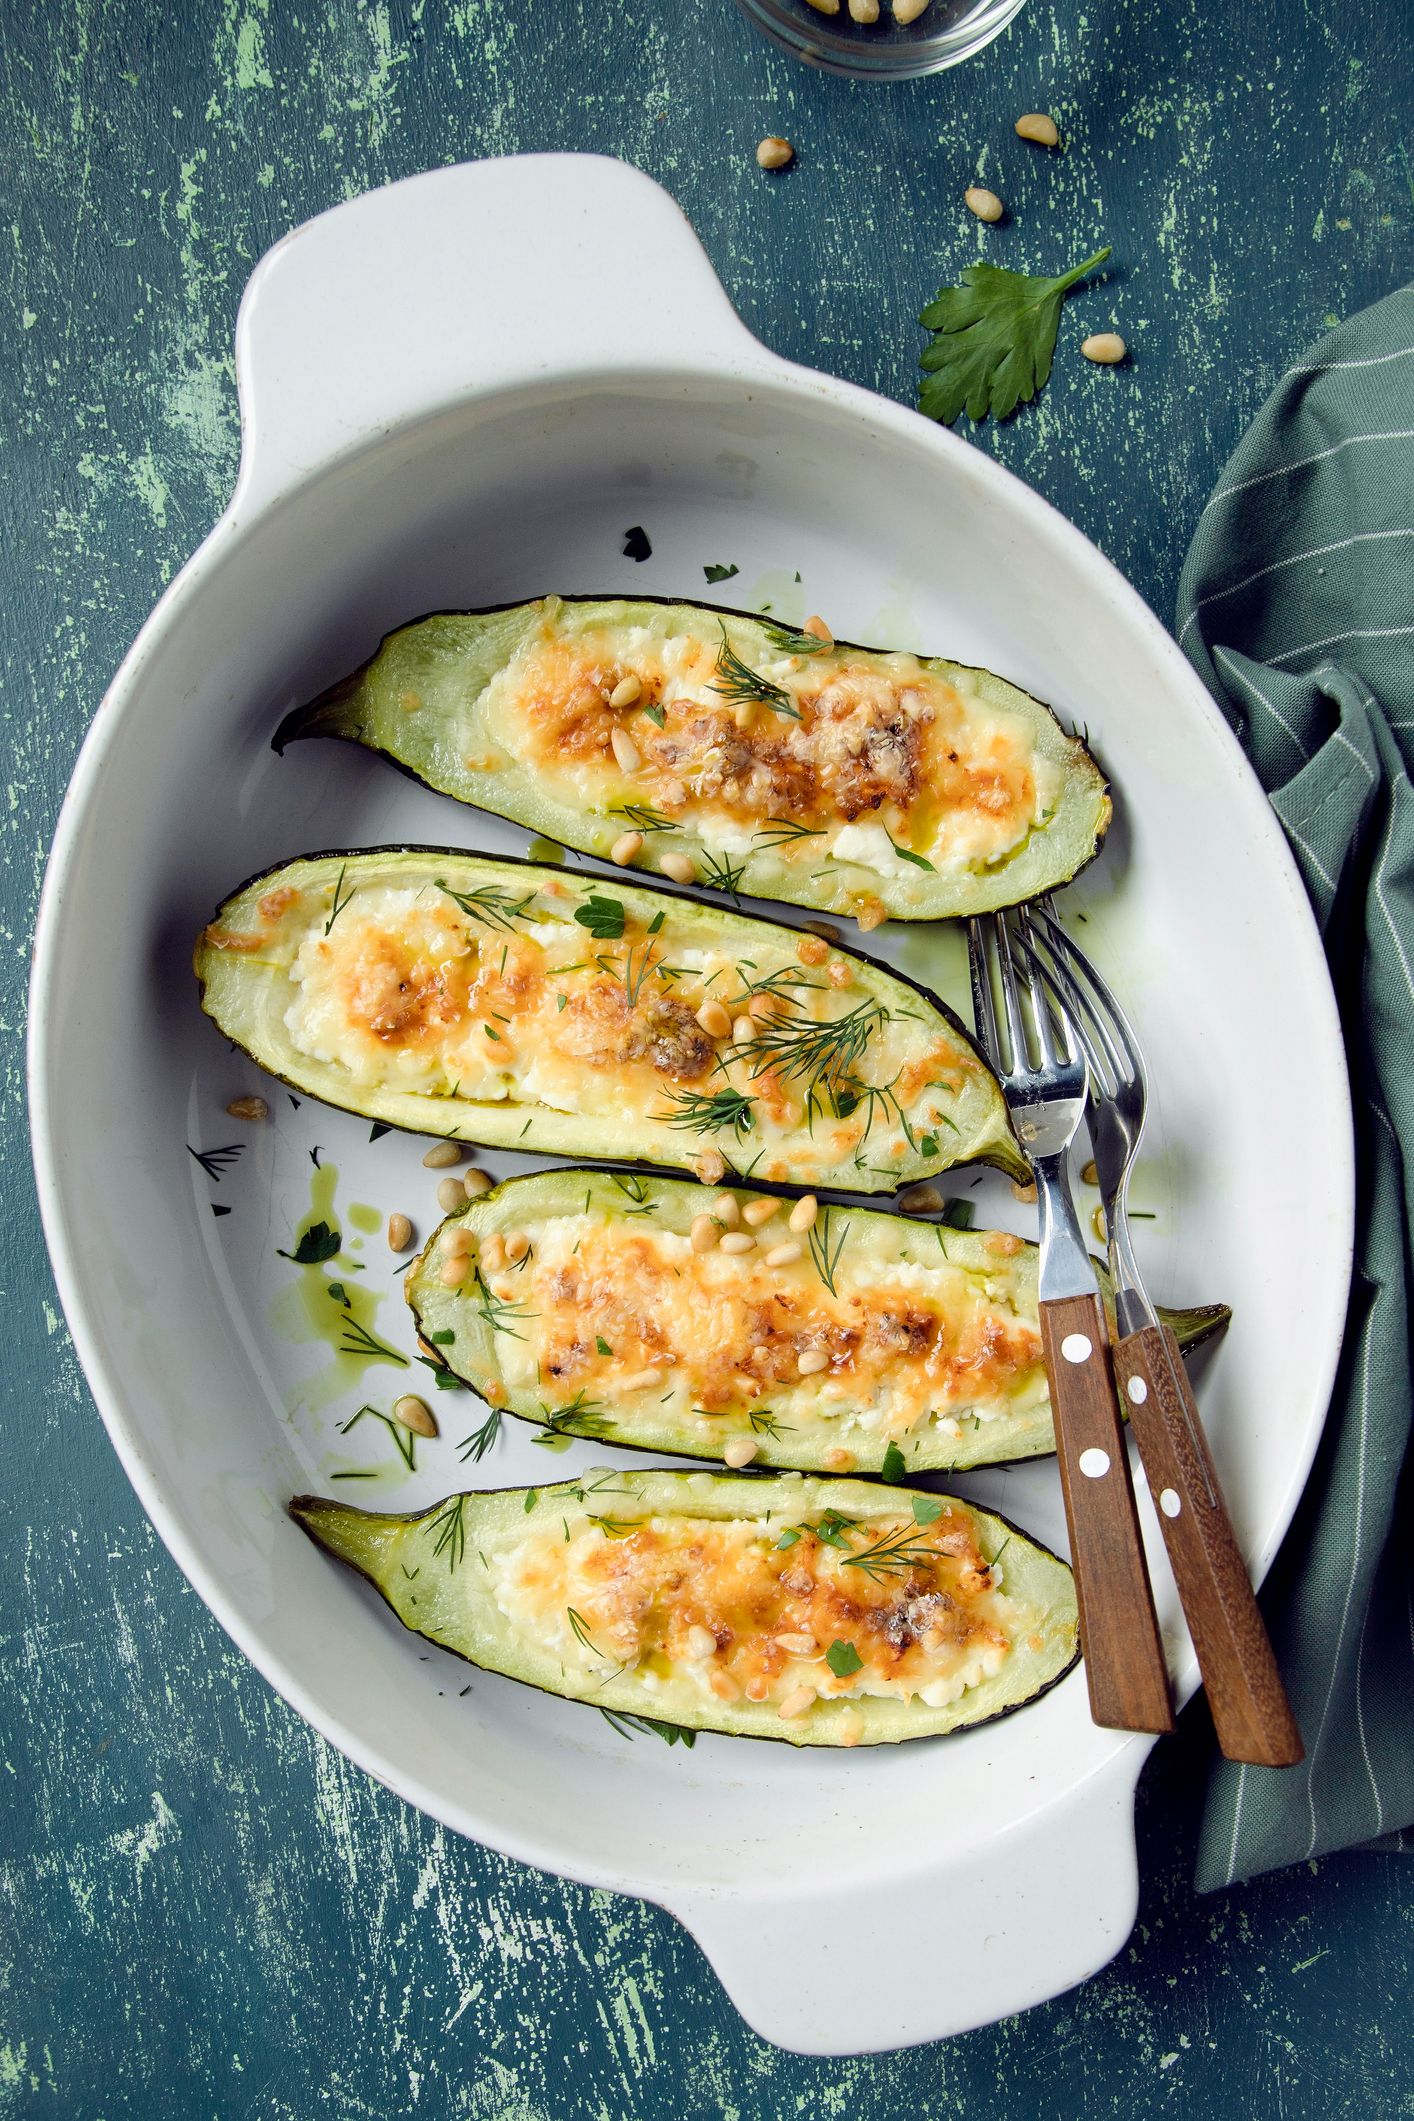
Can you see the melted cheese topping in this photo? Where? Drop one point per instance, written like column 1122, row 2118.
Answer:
column 401, row 987
column 716, row 1338
column 875, row 753
column 727, row 1609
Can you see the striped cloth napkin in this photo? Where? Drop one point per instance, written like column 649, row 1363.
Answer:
column 1296, row 606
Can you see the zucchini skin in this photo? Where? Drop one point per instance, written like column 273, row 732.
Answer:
column 349, row 711
column 1003, row 1150
column 353, row 1537
column 517, row 1203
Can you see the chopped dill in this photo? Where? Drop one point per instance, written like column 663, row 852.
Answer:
column 341, row 898
column 475, row 1446
column 825, row 1249
column 357, row 1340
column 448, row 1531
column 714, row 1113
column 489, row 904
column 738, row 682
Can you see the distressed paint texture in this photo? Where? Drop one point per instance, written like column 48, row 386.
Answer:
column 203, row 1911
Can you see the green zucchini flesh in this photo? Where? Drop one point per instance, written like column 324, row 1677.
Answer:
column 613, row 1326
column 818, row 1612
column 855, row 780
column 531, row 1008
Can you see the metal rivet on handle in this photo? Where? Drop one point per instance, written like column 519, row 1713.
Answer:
column 1094, row 1463
column 1169, row 1502
column 1137, row 1390
column 1076, row 1347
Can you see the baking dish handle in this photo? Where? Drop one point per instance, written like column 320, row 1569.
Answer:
column 960, row 1945
column 471, row 278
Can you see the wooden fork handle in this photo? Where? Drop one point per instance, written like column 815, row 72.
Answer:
column 1251, row 1713
column 1119, row 1634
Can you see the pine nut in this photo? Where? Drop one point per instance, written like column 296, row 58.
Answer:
column 826, row 930
column 920, row 1200
column 784, row 1255
column 743, row 1031
column 740, row 1452
column 475, row 1183
column 493, row 1254
column 680, row 867
column 870, row 913
column 838, row 973
column 812, row 1362
column 453, row 1271
column 1089, row 1176
column 803, row 1214
column 837, row 1459
column 1003, row 1244
column 774, row 152
column 626, row 693
column 797, row 1645
column 451, row 1195
column 625, row 750
column 701, row 1642
column 726, row 1210
column 399, row 1233
column 983, row 203
column 441, row 1154
column 715, row 1020
column 825, row 7
column 737, row 1241
column 456, row 1240
column 906, row 11
column 757, row 1212
column 796, row 1703
column 517, row 1245
column 641, row 1381
column 865, row 11
column 1039, row 126
column 247, row 1108
column 761, row 1008
column 625, row 847
column 704, row 1233
column 812, row 950
column 1020, row 1192
column 815, row 626
column 1104, row 348
column 709, row 1167
column 415, row 1414
column 1097, row 1222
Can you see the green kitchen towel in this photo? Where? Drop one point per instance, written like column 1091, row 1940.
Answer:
column 1297, row 607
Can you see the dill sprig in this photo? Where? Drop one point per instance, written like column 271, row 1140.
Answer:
column 341, row 898
column 489, row 904
column 448, row 1531
column 783, row 831
column 582, row 1417
column 791, row 641
column 643, row 818
column 714, row 1113
column 497, row 1313
column 475, row 1446
column 357, row 1340
column 825, row 1248
column 895, row 1553
column 214, row 1161
column 634, row 1189
column 579, row 1628
column 632, row 970
column 765, row 1423
column 819, row 1055
column 403, row 1438
column 615, row 1527
column 738, row 682
column 671, row 1733
column 721, row 873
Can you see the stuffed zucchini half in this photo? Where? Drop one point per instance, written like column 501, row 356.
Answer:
column 819, row 1612
column 741, row 754
column 535, row 1009
column 650, row 1314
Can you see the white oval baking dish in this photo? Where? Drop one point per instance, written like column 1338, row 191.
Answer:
column 461, row 390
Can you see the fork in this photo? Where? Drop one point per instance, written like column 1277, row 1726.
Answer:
column 1119, row 1634
column 1251, row 1713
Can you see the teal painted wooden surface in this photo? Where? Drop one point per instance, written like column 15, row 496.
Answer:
column 203, row 1910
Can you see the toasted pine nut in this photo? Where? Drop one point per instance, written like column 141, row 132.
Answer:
column 761, row 1008
column 744, row 714
column 743, row 1031
column 803, row 1214
column 714, row 1019
column 641, row 1381
column 627, row 692
column 704, row 1233
column 983, row 203
column 837, row 1459
column 454, row 1270
column 737, row 1241
column 870, row 913
column 493, row 1253
column 784, row 1255
column 812, row 950
column 774, row 152
column 399, row 1233
column 838, row 973
column 758, row 1688
column 247, row 1108
column 625, row 750
column 815, row 626
column 757, row 1212
column 796, row 1703
column 493, row 1392
column 456, row 1240
column 680, row 867
column 920, row 1200
column 625, row 847
column 1104, row 347
column 415, row 1414
column 709, row 1167
column 1039, row 126
column 726, row 1210
column 1002, row 1244
column 797, row 1644
column 475, row 1183
column 701, row 1642
column 517, row 1245
column 441, row 1154
column 740, row 1452
column 1020, row 1192
column 812, row 1362
column 451, row 1195
column 722, row 1684
column 826, row 930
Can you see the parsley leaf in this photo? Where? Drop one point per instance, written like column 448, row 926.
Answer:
column 843, row 1659
column 719, row 573
column 603, row 917
column 318, row 1243
column 893, row 1469
column 993, row 340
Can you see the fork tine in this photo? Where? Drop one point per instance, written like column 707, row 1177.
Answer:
column 1077, row 1014
column 984, row 1014
column 1110, row 1023
column 1011, row 995
column 1036, row 992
